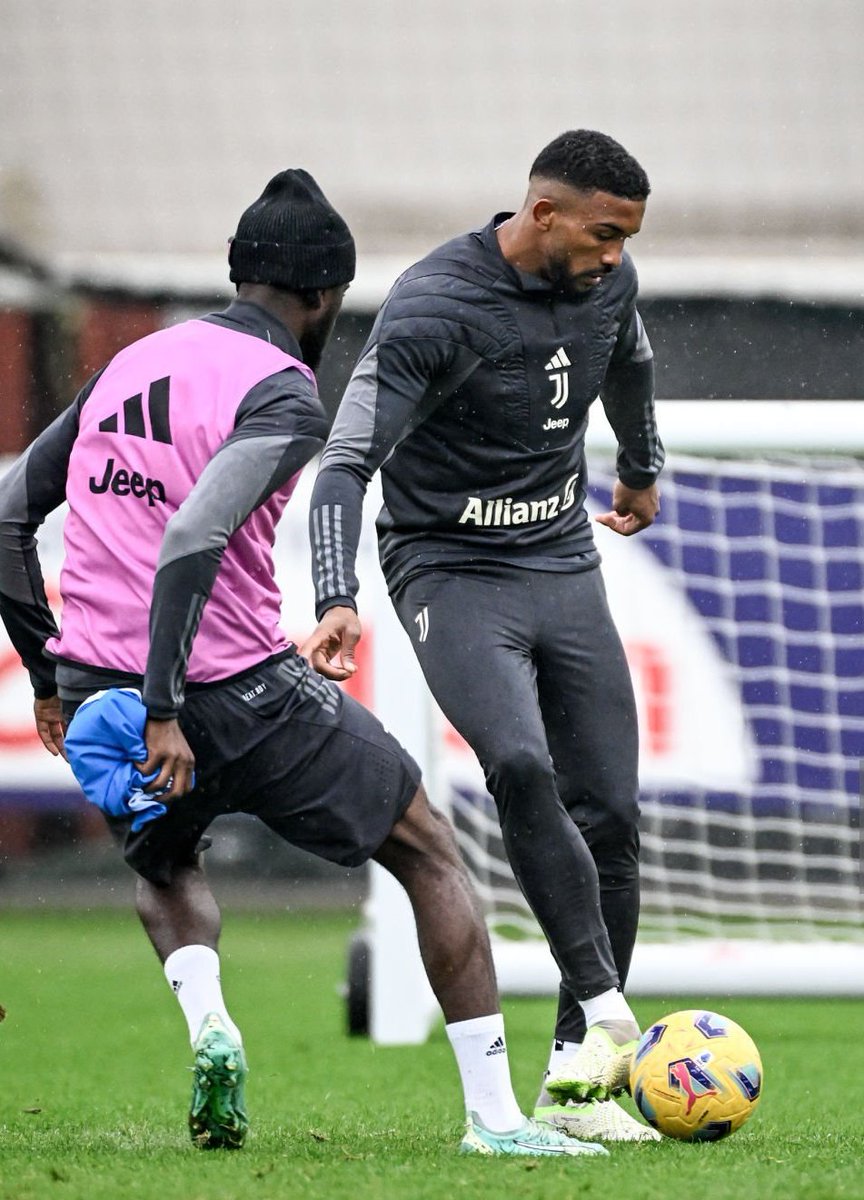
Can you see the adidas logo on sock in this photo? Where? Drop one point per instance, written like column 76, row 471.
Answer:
column 497, row 1047
column 176, row 985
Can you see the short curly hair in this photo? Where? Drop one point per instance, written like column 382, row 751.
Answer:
column 592, row 162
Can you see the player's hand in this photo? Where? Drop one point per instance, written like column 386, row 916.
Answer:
column 632, row 509
column 49, row 725
column 169, row 753
column 330, row 649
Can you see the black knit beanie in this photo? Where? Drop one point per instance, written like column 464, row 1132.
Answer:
column 292, row 238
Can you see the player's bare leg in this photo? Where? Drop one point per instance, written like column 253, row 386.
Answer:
column 184, row 913
column 421, row 853
column 183, row 922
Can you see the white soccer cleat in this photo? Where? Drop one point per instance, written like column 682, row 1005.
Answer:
column 600, row 1068
column 596, row 1120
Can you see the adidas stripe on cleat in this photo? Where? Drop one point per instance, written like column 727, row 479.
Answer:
column 217, row 1114
column 600, row 1068
column 531, row 1140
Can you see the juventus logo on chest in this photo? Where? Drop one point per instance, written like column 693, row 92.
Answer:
column 559, row 377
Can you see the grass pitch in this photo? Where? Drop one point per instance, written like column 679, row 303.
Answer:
column 94, row 1084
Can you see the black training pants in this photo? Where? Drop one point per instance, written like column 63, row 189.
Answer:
column 528, row 667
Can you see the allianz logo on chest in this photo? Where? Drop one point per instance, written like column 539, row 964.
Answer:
column 559, row 378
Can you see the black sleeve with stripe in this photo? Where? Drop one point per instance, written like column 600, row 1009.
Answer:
column 280, row 426
column 32, row 488
column 396, row 384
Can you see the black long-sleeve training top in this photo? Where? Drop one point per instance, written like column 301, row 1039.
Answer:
column 472, row 397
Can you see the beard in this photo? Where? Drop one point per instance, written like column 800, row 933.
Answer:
column 314, row 341
column 559, row 276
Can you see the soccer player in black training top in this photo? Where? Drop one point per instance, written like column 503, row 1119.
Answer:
column 472, row 397
column 223, row 689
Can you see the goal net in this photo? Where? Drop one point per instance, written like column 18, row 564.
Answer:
column 742, row 614
column 769, row 554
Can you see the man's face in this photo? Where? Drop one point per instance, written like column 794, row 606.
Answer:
column 318, row 332
column 582, row 234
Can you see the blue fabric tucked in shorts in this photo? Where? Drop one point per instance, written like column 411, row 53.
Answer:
column 104, row 740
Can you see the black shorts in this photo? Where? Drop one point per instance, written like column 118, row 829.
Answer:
column 288, row 746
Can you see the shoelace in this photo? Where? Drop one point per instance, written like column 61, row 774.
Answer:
column 543, row 1135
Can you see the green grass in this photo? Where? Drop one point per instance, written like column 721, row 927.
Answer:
column 94, row 1084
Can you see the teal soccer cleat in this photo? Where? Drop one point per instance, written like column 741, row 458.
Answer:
column 217, row 1115
column 533, row 1139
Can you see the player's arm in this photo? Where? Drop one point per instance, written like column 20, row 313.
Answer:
column 32, row 488
column 407, row 369
column 280, row 426
column 628, row 398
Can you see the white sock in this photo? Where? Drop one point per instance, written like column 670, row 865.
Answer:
column 481, row 1055
column 608, row 1006
column 558, row 1055
column 193, row 973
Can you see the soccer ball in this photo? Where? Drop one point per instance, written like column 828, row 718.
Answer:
column 696, row 1076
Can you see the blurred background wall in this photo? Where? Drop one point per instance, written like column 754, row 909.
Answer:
column 147, row 125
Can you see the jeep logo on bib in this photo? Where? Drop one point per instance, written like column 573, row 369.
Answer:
column 128, row 483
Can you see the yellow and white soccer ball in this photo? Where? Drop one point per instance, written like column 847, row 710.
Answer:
column 696, row 1076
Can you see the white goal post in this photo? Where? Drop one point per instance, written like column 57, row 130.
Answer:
column 748, row 660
